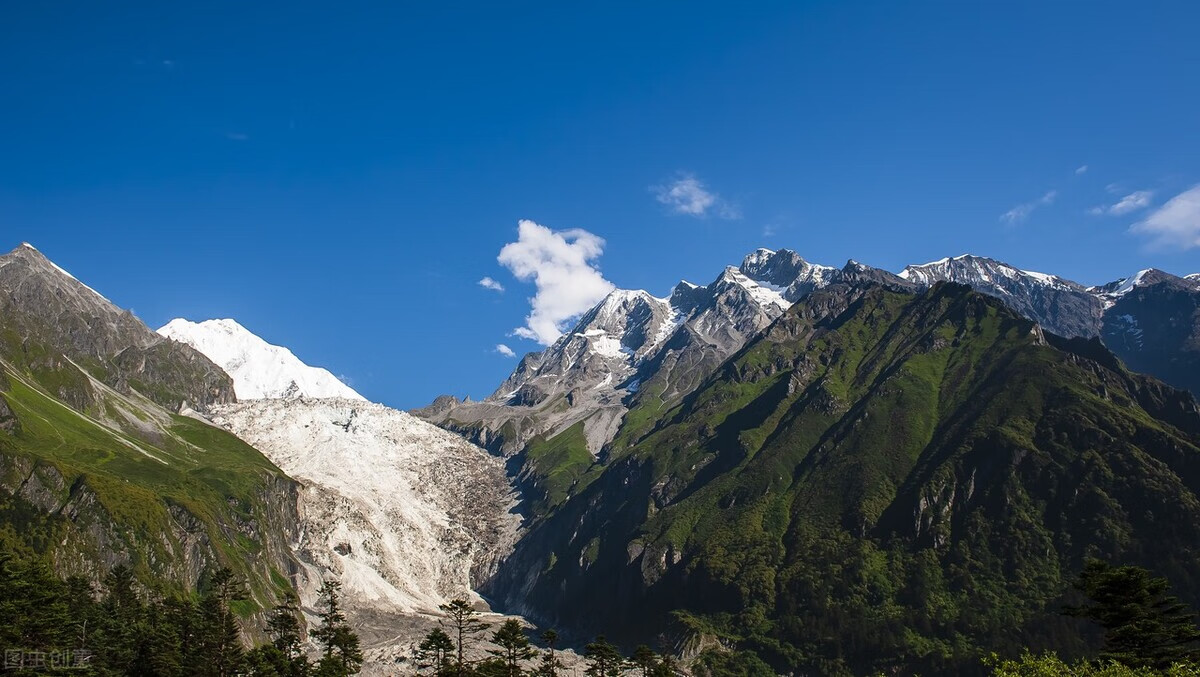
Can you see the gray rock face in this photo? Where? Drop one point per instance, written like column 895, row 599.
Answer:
column 43, row 305
column 581, row 377
column 8, row 420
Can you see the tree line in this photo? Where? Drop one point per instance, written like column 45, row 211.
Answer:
column 52, row 625
column 444, row 651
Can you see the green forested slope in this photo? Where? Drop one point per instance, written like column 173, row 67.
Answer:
column 880, row 481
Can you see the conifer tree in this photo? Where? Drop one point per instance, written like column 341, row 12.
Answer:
column 514, row 647
column 1144, row 626
column 604, row 659
column 550, row 664
column 464, row 623
column 665, row 667
column 224, row 652
column 340, row 651
column 434, row 652
column 645, row 659
column 284, row 626
column 284, row 656
column 32, row 609
column 120, row 629
column 159, row 644
column 188, row 626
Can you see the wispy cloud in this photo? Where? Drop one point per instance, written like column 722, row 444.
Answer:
column 688, row 195
column 1081, row 169
column 1176, row 224
column 559, row 263
column 489, row 283
column 505, row 350
column 1132, row 202
column 237, row 136
column 1022, row 211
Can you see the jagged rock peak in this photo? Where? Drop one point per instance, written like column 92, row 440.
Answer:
column 776, row 267
column 686, row 297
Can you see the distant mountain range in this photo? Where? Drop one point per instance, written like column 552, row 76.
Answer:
column 633, row 347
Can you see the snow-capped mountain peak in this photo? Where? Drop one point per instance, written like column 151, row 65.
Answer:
column 980, row 270
column 1119, row 288
column 259, row 370
column 786, row 270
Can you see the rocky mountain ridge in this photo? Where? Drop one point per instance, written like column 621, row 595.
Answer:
column 634, row 347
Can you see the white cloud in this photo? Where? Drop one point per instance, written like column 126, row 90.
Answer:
column 688, row 195
column 1022, row 211
column 1176, row 224
column 1081, row 169
column 559, row 264
column 505, row 350
column 1130, row 203
column 489, row 283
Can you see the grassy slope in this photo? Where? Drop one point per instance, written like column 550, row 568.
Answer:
column 556, row 466
column 138, row 461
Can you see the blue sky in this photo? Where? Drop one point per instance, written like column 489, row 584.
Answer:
column 340, row 176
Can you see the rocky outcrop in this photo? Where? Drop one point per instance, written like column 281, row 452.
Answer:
column 9, row 423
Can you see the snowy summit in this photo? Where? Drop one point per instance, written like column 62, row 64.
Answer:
column 259, row 370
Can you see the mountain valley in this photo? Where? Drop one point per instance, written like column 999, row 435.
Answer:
column 835, row 469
